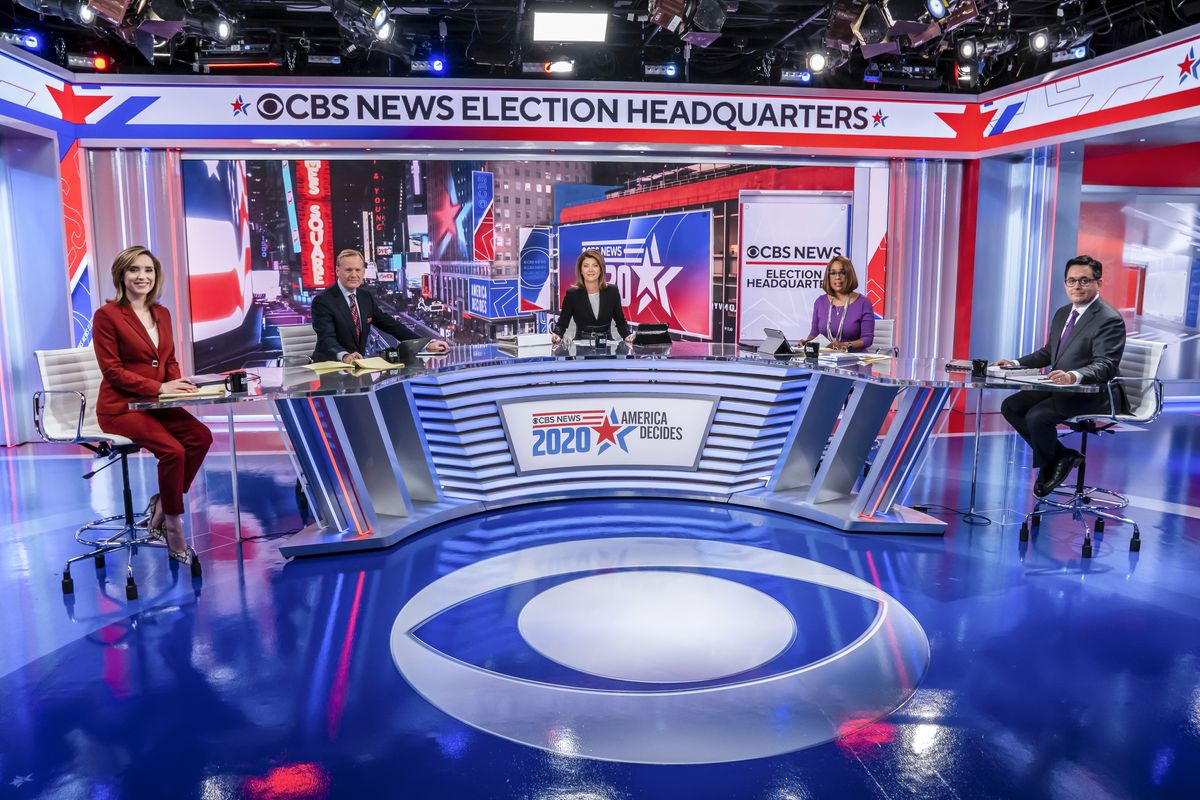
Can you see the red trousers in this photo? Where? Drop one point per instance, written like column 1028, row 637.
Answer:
column 175, row 437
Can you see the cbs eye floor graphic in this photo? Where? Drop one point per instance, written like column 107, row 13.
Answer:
column 617, row 649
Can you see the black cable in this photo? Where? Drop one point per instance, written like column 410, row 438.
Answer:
column 963, row 515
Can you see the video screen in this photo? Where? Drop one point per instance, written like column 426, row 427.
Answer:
column 470, row 250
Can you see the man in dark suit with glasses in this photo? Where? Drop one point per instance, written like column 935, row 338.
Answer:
column 1087, row 338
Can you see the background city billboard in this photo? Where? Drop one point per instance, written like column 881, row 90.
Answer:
column 661, row 264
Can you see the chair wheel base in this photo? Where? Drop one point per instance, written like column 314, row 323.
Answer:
column 1024, row 531
column 1087, row 550
column 131, row 589
column 1100, row 525
column 68, row 584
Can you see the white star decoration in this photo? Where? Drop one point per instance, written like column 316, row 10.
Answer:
column 20, row 780
column 653, row 279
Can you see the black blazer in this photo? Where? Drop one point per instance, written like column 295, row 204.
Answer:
column 575, row 306
column 1093, row 349
column 335, row 327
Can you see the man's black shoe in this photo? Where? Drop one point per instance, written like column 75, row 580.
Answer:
column 1059, row 471
column 1040, row 488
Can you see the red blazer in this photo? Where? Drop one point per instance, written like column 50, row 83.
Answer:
column 132, row 366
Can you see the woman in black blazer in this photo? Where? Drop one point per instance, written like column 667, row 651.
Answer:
column 591, row 301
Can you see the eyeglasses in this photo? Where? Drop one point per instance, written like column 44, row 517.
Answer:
column 835, row 273
column 1082, row 283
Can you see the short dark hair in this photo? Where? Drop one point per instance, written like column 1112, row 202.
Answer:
column 1085, row 261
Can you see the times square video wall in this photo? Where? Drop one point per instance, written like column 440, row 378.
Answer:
column 471, row 250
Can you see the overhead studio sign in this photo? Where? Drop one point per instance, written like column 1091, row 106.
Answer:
column 519, row 108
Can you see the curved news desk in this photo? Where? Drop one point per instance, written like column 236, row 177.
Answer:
column 386, row 455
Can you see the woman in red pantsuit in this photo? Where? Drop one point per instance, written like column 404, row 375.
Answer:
column 132, row 339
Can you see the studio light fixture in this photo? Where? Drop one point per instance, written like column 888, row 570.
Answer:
column 94, row 62
column 964, row 12
column 562, row 26
column 665, row 70
column 434, row 65
column 30, row 41
column 1062, row 37
column 936, row 8
column 385, row 31
column 817, row 62
column 557, row 66
column 973, row 48
column 77, row 11
column 792, row 75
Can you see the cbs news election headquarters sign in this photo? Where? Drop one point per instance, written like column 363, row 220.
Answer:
column 787, row 239
column 574, row 432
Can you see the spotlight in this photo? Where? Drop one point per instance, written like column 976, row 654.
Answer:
column 936, row 9
column 380, row 17
column 817, row 62
column 798, row 76
column 973, row 48
column 223, row 30
column 384, row 32
column 77, row 11
column 668, row 70
column 434, row 65
column 29, row 41
column 1063, row 37
column 97, row 63
column 560, row 66
column 967, row 75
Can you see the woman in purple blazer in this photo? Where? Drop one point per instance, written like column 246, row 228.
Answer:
column 842, row 315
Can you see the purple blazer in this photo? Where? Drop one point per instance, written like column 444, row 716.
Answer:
column 859, row 324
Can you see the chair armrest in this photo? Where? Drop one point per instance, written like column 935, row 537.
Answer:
column 38, row 405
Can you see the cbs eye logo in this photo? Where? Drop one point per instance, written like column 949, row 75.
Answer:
column 620, row 613
column 269, row 106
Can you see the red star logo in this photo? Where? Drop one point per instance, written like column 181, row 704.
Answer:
column 878, row 118
column 606, row 431
column 1185, row 66
column 75, row 107
column 238, row 105
column 969, row 125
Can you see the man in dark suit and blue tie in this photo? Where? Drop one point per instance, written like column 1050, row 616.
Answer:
column 1087, row 338
column 343, row 314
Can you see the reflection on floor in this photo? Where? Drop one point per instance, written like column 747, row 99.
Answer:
column 1047, row 677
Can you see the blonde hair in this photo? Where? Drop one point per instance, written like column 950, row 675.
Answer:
column 121, row 265
column 851, row 277
column 596, row 254
column 349, row 251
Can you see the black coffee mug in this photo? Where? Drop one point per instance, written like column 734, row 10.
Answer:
column 235, row 382
column 979, row 368
column 392, row 355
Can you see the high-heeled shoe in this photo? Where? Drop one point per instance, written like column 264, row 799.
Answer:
column 184, row 556
column 152, row 509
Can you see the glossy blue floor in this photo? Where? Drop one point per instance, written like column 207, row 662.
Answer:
column 1026, row 671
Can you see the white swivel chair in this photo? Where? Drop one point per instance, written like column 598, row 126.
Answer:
column 1138, row 376
column 64, row 411
column 885, row 338
column 299, row 342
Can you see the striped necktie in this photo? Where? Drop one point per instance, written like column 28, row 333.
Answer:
column 354, row 315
